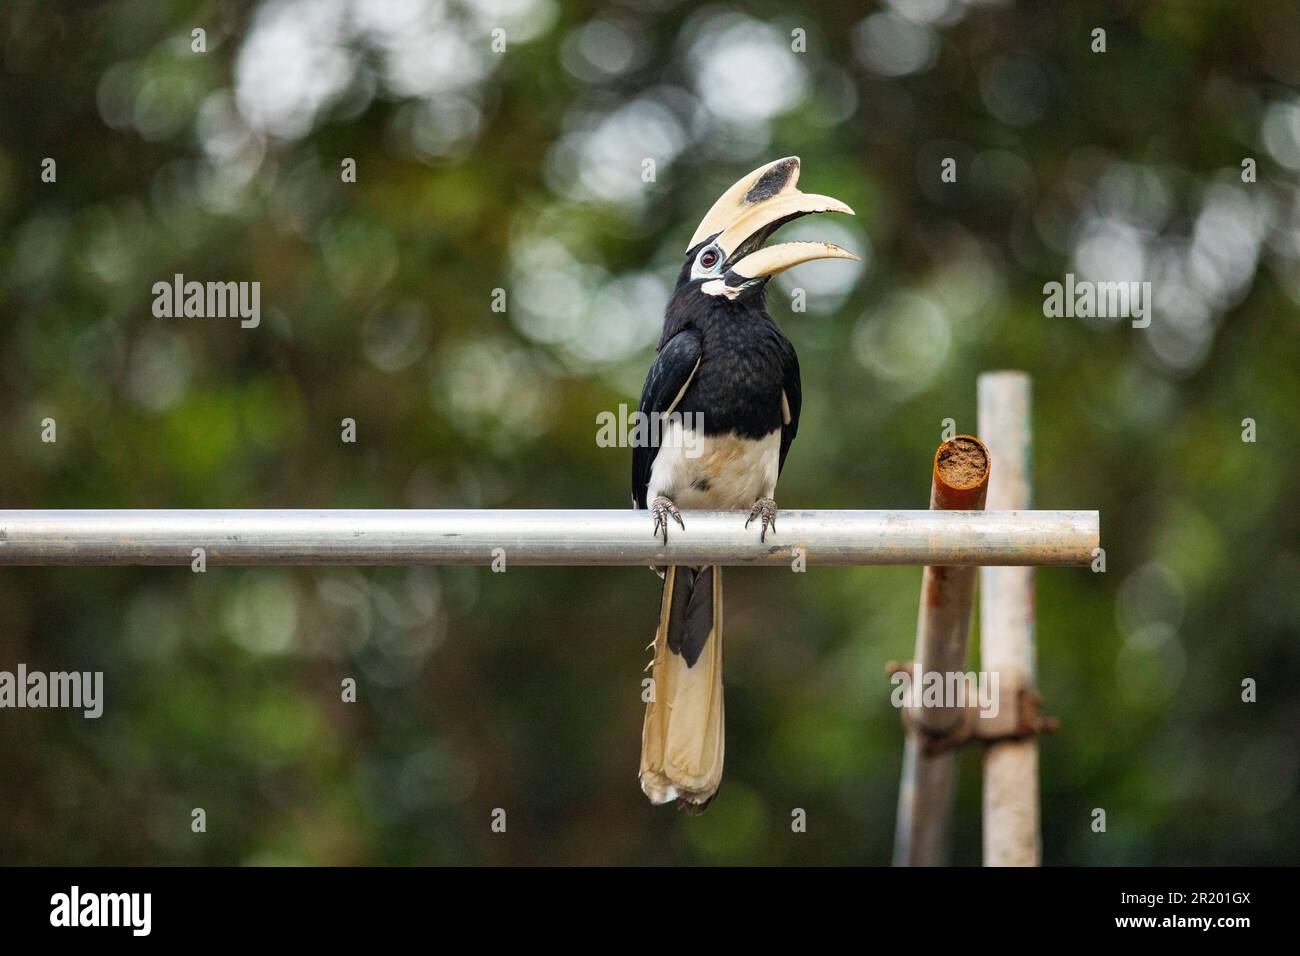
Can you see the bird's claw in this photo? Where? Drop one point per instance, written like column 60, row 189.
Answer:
column 764, row 508
column 661, row 509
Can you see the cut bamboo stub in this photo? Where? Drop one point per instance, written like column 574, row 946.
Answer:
column 959, row 482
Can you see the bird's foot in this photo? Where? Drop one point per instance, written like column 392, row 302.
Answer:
column 764, row 508
column 661, row 508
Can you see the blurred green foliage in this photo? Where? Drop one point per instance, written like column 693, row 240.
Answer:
column 523, row 170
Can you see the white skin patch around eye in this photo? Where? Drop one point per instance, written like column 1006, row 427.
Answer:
column 699, row 270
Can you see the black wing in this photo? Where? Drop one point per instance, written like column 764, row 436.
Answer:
column 793, row 392
column 668, row 377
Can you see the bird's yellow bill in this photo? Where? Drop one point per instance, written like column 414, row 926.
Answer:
column 755, row 207
column 778, row 258
column 757, row 221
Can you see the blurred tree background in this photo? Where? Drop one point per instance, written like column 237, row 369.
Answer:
column 522, row 170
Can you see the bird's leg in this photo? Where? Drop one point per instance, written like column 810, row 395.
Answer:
column 764, row 508
column 662, row 508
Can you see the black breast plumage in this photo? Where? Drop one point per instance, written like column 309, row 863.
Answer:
column 739, row 372
column 737, row 386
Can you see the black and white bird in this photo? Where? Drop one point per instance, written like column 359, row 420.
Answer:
column 724, row 388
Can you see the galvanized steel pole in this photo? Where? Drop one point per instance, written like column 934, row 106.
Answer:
column 623, row 537
column 1011, row 814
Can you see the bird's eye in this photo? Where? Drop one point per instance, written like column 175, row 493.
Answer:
column 709, row 258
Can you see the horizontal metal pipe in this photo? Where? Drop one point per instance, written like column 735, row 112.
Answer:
column 307, row 537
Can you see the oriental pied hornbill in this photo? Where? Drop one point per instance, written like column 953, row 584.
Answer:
column 725, row 362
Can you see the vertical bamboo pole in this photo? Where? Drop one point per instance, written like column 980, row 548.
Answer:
column 1011, row 814
column 925, row 793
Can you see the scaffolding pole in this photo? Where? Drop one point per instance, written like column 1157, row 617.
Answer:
column 1011, row 814
column 959, row 481
column 623, row 537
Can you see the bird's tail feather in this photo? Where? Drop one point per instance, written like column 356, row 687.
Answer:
column 682, row 741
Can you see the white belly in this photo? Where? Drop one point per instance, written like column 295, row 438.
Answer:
column 714, row 472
